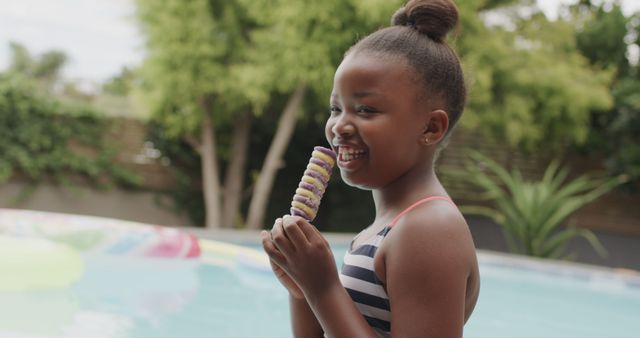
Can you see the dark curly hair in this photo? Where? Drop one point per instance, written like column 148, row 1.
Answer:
column 418, row 34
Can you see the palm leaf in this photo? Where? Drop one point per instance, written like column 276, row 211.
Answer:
column 493, row 214
column 572, row 204
column 530, row 213
column 553, row 247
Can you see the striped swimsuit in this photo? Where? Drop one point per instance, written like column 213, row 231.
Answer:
column 359, row 278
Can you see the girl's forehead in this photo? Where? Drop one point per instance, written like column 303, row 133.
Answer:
column 373, row 63
column 366, row 73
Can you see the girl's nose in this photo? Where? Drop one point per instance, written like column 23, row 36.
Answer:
column 343, row 126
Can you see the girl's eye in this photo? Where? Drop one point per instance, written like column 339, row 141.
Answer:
column 365, row 110
column 334, row 109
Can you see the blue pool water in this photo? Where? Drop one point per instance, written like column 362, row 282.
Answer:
column 124, row 297
column 528, row 304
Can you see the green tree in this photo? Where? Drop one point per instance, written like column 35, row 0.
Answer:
column 187, row 75
column 41, row 137
column 529, row 85
column 44, row 137
column 297, row 47
column 605, row 37
column 45, row 72
column 222, row 62
column 121, row 83
column 44, row 69
column 214, row 66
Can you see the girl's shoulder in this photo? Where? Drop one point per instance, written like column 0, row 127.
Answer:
column 428, row 255
column 431, row 231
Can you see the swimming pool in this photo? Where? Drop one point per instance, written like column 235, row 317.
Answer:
column 141, row 296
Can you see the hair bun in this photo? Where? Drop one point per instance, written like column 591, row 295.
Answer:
column 435, row 18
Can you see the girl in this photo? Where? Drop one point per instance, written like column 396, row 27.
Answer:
column 413, row 272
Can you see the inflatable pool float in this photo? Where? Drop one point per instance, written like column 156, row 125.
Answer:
column 113, row 237
column 89, row 234
column 232, row 255
column 37, row 264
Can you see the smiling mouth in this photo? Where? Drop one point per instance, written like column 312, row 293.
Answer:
column 347, row 154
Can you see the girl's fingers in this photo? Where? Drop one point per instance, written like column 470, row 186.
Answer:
column 310, row 232
column 291, row 226
column 280, row 239
column 274, row 254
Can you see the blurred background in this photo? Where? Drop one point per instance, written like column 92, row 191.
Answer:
column 204, row 113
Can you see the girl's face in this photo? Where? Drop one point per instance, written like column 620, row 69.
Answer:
column 375, row 124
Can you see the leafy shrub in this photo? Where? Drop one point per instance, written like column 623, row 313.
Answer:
column 41, row 137
column 531, row 213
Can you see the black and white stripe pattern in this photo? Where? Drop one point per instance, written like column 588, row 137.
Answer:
column 359, row 279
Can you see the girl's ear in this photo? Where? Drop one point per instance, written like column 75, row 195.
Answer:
column 435, row 127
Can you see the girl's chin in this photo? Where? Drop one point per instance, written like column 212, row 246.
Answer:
column 354, row 181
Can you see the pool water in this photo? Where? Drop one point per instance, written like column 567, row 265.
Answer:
column 125, row 297
column 528, row 304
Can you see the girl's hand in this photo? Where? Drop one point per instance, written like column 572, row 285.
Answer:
column 302, row 252
column 285, row 280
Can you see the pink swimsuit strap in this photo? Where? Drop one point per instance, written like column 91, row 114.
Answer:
column 417, row 204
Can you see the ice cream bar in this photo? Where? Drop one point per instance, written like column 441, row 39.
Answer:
column 313, row 184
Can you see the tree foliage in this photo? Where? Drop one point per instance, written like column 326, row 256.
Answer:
column 41, row 138
column 238, row 56
column 541, row 85
column 188, row 77
column 121, row 83
column 303, row 42
column 43, row 70
column 605, row 38
column 601, row 37
column 297, row 47
column 191, row 47
column 529, row 85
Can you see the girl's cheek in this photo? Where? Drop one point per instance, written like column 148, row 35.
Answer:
column 327, row 130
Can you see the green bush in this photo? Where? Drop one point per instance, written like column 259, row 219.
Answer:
column 531, row 213
column 41, row 137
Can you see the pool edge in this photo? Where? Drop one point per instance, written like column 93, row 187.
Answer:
column 582, row 271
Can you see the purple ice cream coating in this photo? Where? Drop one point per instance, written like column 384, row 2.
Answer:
column 297, row 212
column 321, row 163
column 306, row 201
column 326, row 151
column 316, row 175
column 311, row 188
column 308, row 186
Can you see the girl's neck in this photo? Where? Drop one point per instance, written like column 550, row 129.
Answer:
column 406, row 190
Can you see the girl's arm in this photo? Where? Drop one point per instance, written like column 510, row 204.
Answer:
column 426, row 268
column 429, row 258
column 302, row 252
column 303, row 322
column 338, row 315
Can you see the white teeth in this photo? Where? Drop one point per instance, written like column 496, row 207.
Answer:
column 349, row 154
